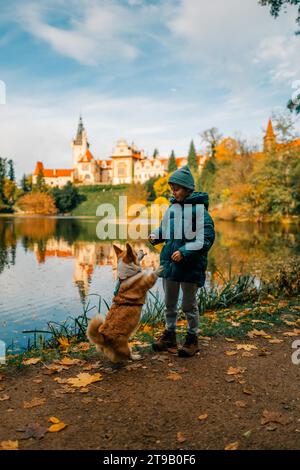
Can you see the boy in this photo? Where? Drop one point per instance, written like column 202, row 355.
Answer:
column 182, row 266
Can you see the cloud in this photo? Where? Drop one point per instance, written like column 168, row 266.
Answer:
column 91, row 32
column 281, row 55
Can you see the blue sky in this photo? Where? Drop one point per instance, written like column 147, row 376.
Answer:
column 154, row 72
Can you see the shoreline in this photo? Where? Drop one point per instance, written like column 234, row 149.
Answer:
column 215, row 218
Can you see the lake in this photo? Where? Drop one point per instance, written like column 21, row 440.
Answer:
column 51, row 267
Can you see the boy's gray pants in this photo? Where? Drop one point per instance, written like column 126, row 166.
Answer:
column 189, row 304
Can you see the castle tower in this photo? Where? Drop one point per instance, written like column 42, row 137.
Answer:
column 80, row 144
column 270, row 138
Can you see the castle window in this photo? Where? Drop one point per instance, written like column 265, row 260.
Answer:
column 85, row 166
column 121, row 169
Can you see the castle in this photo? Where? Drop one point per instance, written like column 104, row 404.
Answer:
column 127, row 164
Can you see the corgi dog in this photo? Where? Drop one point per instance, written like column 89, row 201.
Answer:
column 111, row 335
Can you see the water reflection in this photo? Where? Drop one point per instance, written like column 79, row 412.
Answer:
column 50, row 266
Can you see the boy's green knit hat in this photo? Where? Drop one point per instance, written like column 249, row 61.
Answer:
column 183, row 177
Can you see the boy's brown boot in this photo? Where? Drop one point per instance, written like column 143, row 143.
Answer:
column 190, row 346
column 166, row 341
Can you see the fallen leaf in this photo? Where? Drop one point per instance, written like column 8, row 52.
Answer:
column 174, row 376
column 37, row 381
column 246, row 347
column 230, row 340
column 53, row 368
column 255, row 333
column 246, row 391
column 34, row 431
column 231, row 353
column 247, row 354
column 64, row 342
column 275, row 341
column 9, row 445
column 34, row 402
column 57, row 427
column 4, row 398
column 240, row 404
column 54, row 420
column 84, row 346
column 32, row 361
column 273, row 417
column 68, row 361
column 236, row 370
column 291, row 333
column 180, row 437
column 83, row 379
column 232, row 446
column 203, row 417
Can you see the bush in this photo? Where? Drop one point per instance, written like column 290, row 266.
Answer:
column 67, row 198
column 37, row 203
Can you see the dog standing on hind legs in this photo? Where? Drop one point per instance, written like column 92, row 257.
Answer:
column 111, row 335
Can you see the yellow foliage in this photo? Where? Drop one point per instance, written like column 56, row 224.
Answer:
column 162, row 188
column 37, row 203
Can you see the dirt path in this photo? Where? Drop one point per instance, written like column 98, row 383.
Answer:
column 155, row 404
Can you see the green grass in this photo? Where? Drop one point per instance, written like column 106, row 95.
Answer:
column 96, row 195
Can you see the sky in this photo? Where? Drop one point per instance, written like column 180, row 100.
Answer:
column 156, row 72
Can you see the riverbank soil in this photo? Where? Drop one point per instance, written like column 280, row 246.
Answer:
column 235, row 394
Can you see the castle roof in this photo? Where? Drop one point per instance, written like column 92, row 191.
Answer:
column 51, row 173
column 270, row 134
column 87, row 157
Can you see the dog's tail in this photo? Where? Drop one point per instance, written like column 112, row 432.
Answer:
column 93, row 330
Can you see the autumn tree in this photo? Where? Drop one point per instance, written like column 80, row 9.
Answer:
column 40, row 181
column 155, row 153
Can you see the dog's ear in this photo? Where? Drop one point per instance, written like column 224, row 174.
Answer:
column 118, row 250
column 129, row 252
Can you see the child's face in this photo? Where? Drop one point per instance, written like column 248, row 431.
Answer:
column 179, row 192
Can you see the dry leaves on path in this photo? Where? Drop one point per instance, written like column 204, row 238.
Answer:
column 32, row 361
column 203, row 417
column 81, row 380
column 34, row 402
column 240, row 404
column 273, row 417
column 246, row 347
column 57, row 425
column 180, row 437
column 236, row 370
column 4, row 397
column 255, row 333
column 68, row 361
column 9, row 445
column 174, row 376
column 232, row 446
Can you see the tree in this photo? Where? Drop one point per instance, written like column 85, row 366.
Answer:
column 284, row 125
column 11, row 170
column 192, row 157
column 162, row 188
column 149, row 185
column 40, row 181
column 277, row 5
column 212, row 137
column 155, row 153
column 26, row 183
column 172, row 163
column 66, row 198
column 2, row 176
column 37, row 203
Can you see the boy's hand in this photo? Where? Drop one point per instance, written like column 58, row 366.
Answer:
column 177, row 256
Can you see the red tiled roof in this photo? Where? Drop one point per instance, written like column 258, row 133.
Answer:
column 87, row 157
column 51, row 173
